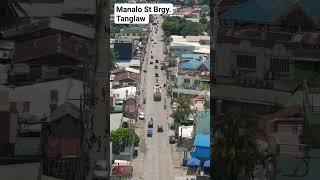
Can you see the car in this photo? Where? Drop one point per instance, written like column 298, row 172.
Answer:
column 156, row 75
column 172, row 139
column 157, row 61
column 160, row 129
column 150, row 124
column 156, row 67
column 149, row 132
column 151, row 57
column 145, row 70
column 162, row 67
column 141, row 115
column 151, row 62
column 100, row 170
column 157, row 84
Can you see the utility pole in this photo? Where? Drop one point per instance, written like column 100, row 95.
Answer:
column 99, row 88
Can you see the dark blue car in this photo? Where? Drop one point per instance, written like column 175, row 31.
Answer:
column 149, row 132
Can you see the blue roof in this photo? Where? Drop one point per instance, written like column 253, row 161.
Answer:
column 260, row 11
column 191, row 65
column 202, row 140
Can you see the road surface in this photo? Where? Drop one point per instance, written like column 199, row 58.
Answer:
column 157, row 157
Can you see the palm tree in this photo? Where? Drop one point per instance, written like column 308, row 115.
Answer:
column 235, row 153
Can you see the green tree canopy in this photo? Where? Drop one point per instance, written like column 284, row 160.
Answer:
column 181, row 27
column 183, row 110
column 120, row 139
column 236, row 152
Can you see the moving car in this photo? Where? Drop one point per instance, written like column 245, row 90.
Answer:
column 151, row 57
column 160, row 129
column 150, row 124
column 157, row 84
column 172, row 139
column 156, row 75
column 100, row 170
column 157, row 61
column 151, row 62
column 141, row 115
column 149, row 132
column 156, row 67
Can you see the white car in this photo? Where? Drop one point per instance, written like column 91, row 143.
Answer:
column 141, row 115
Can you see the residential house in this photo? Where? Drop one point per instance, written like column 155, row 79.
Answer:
column 41, row 98
column 64, row 135
column 259, row 65
column 201, row 147
column 130, row 108
column 124, row 93
column 125, row 79
column 132, row 31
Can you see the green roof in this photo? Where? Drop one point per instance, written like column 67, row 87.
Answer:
column 27, row 146
column 115, row 121
column 299, row 168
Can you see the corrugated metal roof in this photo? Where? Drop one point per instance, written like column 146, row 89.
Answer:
column 115, row 121
column 48, row 46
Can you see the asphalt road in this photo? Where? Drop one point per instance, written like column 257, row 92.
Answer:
column 158, row 156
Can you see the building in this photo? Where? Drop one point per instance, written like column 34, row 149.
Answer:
column 39, row 99
column 64, row 136
column 125, row 49
column 263, row 64
column 123, row 93
column 125, row 79
column 202, row 119
column 130, row 108
column 201, row 147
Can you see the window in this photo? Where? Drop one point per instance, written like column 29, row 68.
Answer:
column 246, row 61
column 279, row 65
column 186, row 81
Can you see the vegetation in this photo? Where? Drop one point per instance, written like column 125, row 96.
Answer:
column 183, row 109
column 236, row 153
column 182, row 27
column 172, row 63
column 114, row 56
column 120, row 139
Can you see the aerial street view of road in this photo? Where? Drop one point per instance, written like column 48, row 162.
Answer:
column 157, row 161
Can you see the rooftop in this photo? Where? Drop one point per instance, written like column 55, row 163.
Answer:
column 115, row 121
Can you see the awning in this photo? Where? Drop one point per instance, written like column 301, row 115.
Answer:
column 193, row 162
column 206, row 164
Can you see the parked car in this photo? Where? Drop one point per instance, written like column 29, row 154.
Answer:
column 157, row 61
column 100, row 170
column 141, row 115
column 172, row 139
column 149, row 132
column 156, row 75
column 151, row 62
column 160, row 129
column 122, row 167
column 150, row 124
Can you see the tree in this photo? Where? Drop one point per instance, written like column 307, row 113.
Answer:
column 173, row 63
column 236, row 153
column 120, row 139
column 183, row 110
